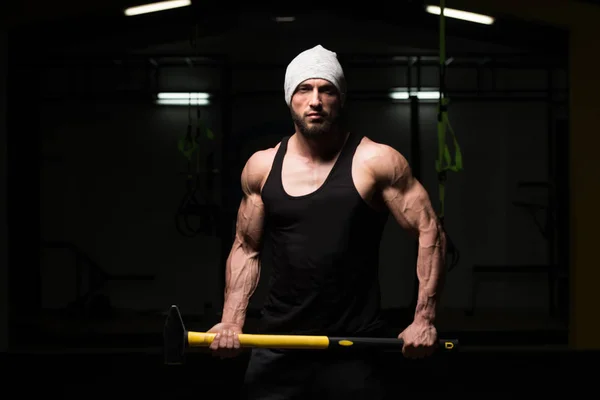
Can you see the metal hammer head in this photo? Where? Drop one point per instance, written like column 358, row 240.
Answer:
column 175, row 338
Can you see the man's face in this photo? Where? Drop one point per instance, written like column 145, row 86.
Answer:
column 315, row 107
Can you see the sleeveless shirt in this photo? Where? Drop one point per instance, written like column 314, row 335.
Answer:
column 322, row 249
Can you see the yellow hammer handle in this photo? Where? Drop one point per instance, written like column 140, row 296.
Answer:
column 204, row 339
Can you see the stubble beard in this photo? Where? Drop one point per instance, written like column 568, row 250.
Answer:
column 317, row 129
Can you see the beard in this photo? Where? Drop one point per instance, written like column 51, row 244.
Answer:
column 315, row 129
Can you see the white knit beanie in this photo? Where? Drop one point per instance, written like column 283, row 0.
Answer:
column 315, row 63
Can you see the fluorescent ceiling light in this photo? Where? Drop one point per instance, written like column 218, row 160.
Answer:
column 422, row 95
column 182, row 95
column 154, row 7
column 181, row 102
column 464, row 15
column 183, row 99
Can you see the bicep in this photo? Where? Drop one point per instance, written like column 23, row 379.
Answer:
column 403, row 194
column 409, row 203
column 249, row 224
column 250, row 216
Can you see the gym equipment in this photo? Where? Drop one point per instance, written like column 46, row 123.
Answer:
column 90, row 282
column 177, row 339
column 197, row 201
column 443, row 162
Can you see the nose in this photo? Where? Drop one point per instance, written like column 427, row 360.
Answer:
column 315, row 98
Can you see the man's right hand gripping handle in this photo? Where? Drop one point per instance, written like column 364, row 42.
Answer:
column 226, row 343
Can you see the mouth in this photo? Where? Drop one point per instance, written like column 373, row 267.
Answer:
column 314, row 116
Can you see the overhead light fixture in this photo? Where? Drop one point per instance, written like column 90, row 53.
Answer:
column 183, row 99
column 463, row 15
column 421, row 95
column 154, row 7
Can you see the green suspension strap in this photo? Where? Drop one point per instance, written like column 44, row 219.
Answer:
column 196, row 200
column 444, row 163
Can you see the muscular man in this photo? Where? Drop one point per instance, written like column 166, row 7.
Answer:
column 313, row 210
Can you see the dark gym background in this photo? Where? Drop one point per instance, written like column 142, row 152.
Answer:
column 93, row 241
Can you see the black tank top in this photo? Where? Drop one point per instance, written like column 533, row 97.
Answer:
column 323, row 252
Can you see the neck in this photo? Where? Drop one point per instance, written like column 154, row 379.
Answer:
column 322, row 148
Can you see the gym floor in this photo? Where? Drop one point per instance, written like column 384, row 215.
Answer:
column 101, row 374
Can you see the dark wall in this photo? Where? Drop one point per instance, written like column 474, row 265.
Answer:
column 3, row 228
